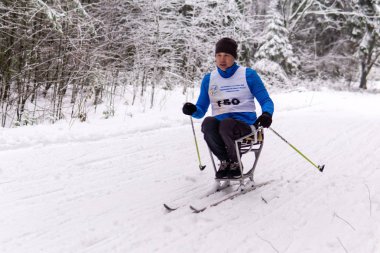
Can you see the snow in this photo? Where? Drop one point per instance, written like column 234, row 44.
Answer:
column 99, row 186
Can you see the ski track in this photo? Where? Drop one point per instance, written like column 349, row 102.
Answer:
column 107, row 195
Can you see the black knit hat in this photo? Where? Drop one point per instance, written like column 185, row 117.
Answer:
column 226, row 45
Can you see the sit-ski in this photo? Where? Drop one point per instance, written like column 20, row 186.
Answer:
column 252, row 142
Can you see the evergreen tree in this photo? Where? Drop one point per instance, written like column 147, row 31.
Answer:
column 276, row 46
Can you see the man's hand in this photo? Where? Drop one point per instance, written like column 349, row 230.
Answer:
column 189, row 108
column 265, row 120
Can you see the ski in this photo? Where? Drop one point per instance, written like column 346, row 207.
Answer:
column 171, row 208
column 231, row 196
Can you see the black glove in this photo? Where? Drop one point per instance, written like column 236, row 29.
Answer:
column 265, row 120
column 189, row 108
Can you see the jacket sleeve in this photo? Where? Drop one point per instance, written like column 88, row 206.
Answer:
column 203, row 99
column 259, row 91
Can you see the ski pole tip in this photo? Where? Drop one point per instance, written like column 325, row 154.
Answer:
column 321, row 168
column 202, row 167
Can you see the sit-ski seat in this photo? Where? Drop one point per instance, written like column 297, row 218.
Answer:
column 252, row 142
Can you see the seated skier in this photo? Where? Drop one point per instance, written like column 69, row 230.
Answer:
column 231, row 90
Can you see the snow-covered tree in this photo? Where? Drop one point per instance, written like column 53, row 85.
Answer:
column 365, row 21
column 83, row 51
column 275, row 45
column 41, row 53
column 294, row 11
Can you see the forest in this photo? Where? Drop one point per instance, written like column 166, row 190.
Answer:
column 58, row 58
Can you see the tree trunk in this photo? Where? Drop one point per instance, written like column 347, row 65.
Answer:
column 363, row 76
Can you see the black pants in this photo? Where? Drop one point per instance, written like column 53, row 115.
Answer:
column 220, row 136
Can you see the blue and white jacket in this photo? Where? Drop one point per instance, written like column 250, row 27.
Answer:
column 231, row 94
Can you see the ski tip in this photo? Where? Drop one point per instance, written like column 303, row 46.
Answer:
column 196, row 210
column 170, row 208
column 321, row 168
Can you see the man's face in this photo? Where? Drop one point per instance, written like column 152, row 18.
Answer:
column 224, row 60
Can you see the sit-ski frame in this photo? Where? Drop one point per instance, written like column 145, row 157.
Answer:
column 252, row 142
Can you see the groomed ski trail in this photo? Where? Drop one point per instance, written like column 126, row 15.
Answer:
column 106, row 195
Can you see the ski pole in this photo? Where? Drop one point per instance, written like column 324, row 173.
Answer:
column 319, row 167
column 201, row 167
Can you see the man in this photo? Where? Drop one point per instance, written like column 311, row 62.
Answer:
column 231, row 90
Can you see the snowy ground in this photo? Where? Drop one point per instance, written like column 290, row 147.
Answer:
column 99, row 186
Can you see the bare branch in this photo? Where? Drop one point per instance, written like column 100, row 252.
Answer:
column 271, row 244
column 345, row 221
column 342, row 244
column 370, row 201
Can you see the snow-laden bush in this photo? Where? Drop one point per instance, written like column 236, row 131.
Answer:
column 271, row 73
